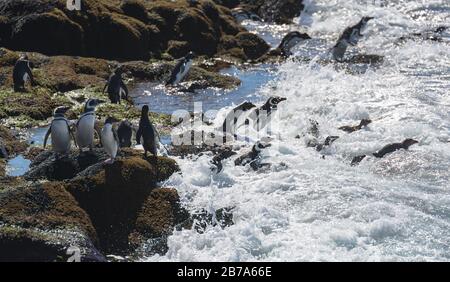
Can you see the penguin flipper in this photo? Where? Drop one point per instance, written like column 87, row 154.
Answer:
column 47, row 135
column 139, row 135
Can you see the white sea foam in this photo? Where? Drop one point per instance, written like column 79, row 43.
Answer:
column 314, row 209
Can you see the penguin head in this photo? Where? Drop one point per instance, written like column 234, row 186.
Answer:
column 441, row 29
column 409, row 142
column 260, row 145
column 365, row 20
column 274, row 101
column 190, row 56
column 60, row 111
column 118, row 71
column 91, row 104
column 24, row 57
column 145, row 109
column 111, row 120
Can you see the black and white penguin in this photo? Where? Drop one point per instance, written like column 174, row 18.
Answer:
column 22, row 73
column 262, row 116
column 125, row 133
column 86, row 125
column 147, row 132
column 253, row 157
column 110, row 139
column 350, row 37
column 116, row 88
column 388, row 149
column 362, row 124
column 229, row 125
column 181, row 69
column 60, row 132
column 427, row 35
column 290, row 40
column 241, row 14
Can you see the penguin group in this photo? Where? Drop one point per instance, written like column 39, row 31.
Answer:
column 112, row 138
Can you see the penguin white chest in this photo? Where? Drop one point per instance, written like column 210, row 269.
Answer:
column 26, row 77
column 183, row 71
column 85, row 131
column 60, row 136
column 109, row 142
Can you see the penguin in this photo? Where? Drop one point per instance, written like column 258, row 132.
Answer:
column 110, row 139
column 290, row 40
column 3, row 151
column 388, row 149
column 222, row 154
column 60, row 132
column 86, row 125
column 116, row 88
column 427, row 35
column 349, row 37
column 147, row 132
column 240, row 15
column 232, row 118
column 181, row 69
column 253, row 157
column 22, row 73
column 351, row 129
column 125, row 133
column 261, row 116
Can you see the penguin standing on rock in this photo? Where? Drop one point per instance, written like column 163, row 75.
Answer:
column 110, row 139
column 350, row 37
column 22, row 73
column 116, row 87
column 181, row 69
column 290, row 41
column 147, row 132
column 86, row 125
column 60, row 132
column 125, row 133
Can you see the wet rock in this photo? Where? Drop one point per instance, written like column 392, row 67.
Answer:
column 10, row 144
column 124, row 204
column 41, row 222
column 132, row 30
column 51, row 167
column 277, row 11
column 253, row 47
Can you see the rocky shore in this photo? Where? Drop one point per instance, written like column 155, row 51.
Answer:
column 78, row 203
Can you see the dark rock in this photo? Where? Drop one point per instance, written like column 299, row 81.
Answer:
column 124, row 205
column 252, row 45
column 10, row 144
column 41, row 222
column 51, row 167
column 278, row 11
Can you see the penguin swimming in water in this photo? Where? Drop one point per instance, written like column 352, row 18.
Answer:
column 261, row 116
column 290, row 41
column 60, row 132
column 116, row 88
column 125, row 133
column 147, row 132
column 181, row 69
column 110, row 139
column 349, row 37
column 22, row 73
column 86, row 125
column 253, row 157
column 351, row 129
column 388, row 149
column 428, row 35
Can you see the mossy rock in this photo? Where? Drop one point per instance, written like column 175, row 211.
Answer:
column 11, row 143
column 115, row 196
column 252, row 45
column 41, row 222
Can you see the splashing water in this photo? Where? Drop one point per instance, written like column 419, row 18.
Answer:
column 314, row 209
